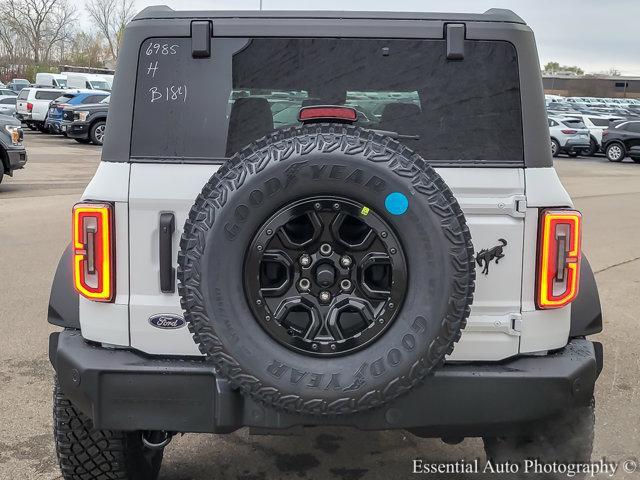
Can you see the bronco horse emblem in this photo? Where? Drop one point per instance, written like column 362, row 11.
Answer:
column 486, row 256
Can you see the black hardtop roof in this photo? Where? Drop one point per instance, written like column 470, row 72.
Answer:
column 493, row 15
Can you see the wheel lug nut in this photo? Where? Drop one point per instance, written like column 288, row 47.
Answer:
column 317, row 206
column 314, row 346
column 333, row 346
column 304, row 284
column 393, row 251
column 325, row 296
column 346, row 261
column 305, row 260
column 336, row 206
column 345, row 285
column 325, row 249
column 383, row 234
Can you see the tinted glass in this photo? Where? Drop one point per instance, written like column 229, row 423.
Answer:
column 45, row 95
column 456, row 110
column 93, row 99
column 574, row 123
column 64, row 98
column 600, row 122
column 24, row 93
column 633, row 127
column 8, row 101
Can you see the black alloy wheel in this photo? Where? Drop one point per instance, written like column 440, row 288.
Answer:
column 325, row 276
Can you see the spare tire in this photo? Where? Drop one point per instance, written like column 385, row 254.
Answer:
column 326, row 270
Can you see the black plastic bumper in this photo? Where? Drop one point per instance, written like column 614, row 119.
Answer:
column 17, row 158
column 123, row 390
column 77, row 130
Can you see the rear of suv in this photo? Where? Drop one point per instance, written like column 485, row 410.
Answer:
column 400, row 254
column 32, row 105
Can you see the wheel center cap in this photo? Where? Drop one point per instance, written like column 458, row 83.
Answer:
column 325, row 275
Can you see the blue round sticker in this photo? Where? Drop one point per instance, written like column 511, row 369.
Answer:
column 396, row 203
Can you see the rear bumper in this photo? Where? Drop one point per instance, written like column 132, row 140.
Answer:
column 576, row 144
column 124, row 390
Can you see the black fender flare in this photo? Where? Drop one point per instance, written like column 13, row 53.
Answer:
column 64, row 300
column 586, row 312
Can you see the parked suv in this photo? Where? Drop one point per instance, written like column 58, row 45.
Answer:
column 13, row 155
column 622, row 139
column 568, row 135
column 422, row 272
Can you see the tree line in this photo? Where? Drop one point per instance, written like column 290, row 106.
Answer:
column 39, row 35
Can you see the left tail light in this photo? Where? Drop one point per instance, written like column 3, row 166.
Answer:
column 93, row 266
column 559, row 253
column 29, row 106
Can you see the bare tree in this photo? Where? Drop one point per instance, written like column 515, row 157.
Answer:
column 110, row 17
column 41, row 23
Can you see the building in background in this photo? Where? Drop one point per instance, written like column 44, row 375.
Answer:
column 592, row 86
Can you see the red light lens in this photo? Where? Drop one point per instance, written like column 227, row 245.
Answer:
column 29, row 106
column 327, row 113
column 92, row 251
column 559, row 253
column 569, row 132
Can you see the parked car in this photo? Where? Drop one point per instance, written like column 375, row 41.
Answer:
column 8, row 106
column 70, row 99
column 622, row 139
column 17, row 84
column 568, row 135
column 33, row 104
column 325, row 273
column 88, row 81
column 58, row 80
column 86, row 122
column 6, row 92
column 596, row 125
column 13, row 155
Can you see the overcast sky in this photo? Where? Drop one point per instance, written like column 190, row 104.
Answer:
column 594, row 34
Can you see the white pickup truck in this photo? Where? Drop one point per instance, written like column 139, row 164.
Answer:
column 32, row 105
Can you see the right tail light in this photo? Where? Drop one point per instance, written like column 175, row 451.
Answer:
column 559, row 253
column 29, row 106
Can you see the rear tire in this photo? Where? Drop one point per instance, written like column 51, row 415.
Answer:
column 565, row 439
column 96, row 134
column 592, row 150
column 86, row 453
column 555, row 147
column 573, row 154
column 615, row 152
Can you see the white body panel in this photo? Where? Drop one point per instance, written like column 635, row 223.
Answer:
column 109, row 322
column 498, row 203
column 87, row 81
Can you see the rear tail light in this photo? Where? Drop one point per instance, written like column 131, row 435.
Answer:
column 569, row 132
column 29, row 106
column 559, row 253
column 327, row 112
column 93, row 270
column 605, row 133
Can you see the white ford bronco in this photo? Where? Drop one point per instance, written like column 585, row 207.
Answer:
column 321, row 218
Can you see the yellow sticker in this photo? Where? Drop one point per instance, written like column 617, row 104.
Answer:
column 365, row 211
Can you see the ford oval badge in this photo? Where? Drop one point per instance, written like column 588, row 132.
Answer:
column 167, row 321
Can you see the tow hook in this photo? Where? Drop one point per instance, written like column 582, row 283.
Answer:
column 156, row 440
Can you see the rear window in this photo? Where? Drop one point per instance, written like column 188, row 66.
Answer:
column 574, row 123
column 457, row 111
column 600, row 122
column 24, row 93
column 46, row 95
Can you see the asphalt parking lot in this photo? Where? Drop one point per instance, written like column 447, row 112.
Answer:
column 34, row 229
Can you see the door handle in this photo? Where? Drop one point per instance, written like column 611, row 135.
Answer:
column 167, row 271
